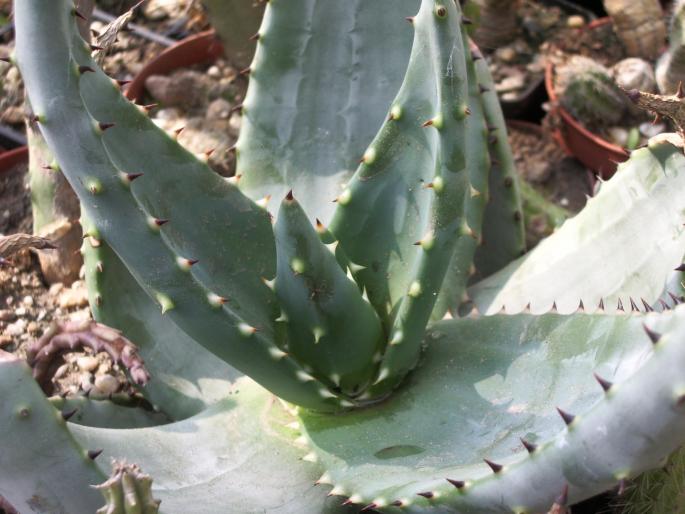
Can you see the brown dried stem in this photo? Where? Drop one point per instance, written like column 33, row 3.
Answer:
column 9, row 245
column 666, row 106
column 46, row 354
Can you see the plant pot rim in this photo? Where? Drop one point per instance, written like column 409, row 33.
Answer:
column 10, row 158
column 612, row 151
column 203, row 47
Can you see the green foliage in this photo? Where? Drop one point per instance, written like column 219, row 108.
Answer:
column 327, row 305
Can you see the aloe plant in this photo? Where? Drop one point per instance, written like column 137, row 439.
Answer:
column 389, row 156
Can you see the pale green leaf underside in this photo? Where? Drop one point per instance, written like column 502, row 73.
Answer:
column 623, row 245
column 486, row 382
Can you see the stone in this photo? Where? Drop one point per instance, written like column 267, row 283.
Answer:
column 219, row 109
column 106, row 384
column 74, row 297
column 87, row 363
column 7, row 315
column 17, row 328
column 575, row 21
column 33, row 328
column 27, row 301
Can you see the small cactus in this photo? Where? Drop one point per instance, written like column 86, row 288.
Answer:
column 128, row 491
column 670, row 68
column 639, row 25
column 588, row 91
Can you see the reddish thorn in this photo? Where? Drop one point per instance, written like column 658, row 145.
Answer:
column 178, row 131
column 370, row 506
column 85, row 69
column 78, row 14
column 235, row 108
column 426, row 494
column 245, row 71
column 601, row 304
column 621, row 487
column 192, row 262
column 68, row 414
column 254, row 37
column 397, row 503
column 466, row 21
column 122, row 83
column 319, row 225
column 475, row 56
column 410, row 19
column 581, row 307
column 530, row 447
column 160, row 222
column 459, row 484
column 664, row 305
column 347, row 502
column 633, row 305
column 94, row 454
column 467, row 111
column 634, row 95
column 679, row 93
column 496, row 468
column 149, row 107
column 648, row 308
column 619, row 305
column 105, row 125
column 653, row 336
column 5, row 59
column 681, row 267
column 290, row 196
column 567, row 417
column 208, row 153
column 47, row 167
column 606, row 385
column 132, row 176
column 427, row 123
column 95, row 48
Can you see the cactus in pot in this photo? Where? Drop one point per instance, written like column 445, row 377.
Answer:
column 302, row 343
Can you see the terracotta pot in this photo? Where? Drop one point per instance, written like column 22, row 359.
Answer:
column 200, row 48
column 11, row 158
column 593, row 151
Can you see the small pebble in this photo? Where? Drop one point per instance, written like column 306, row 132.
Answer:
column 576, row 21
column 20, row 311
column 62, row 371
column 33, row 328
column 27, row 301
column 87, row 363
column 106, row 384
column 16, row 328
column 7, row 315
column 5, row 340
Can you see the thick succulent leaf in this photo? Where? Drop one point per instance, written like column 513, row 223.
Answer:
column 44, row 470
column 617, row 252
column 109, row 413
column 503, row 231
column 236, row 22
column 426, row 121
column 483, row 384
column 322, row 79
column 185, row 378
column 220, row 300
column 236, row 456
column 477, row 166
column 331, row 327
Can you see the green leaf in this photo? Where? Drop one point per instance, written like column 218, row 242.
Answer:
column 484, row 383
column 44, row 470
column 620, row 248
column 321, row 82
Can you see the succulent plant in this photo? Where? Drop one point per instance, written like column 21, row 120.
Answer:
column 382, row 403
column 639, row 24
column 588, row 91
column 670, row 68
